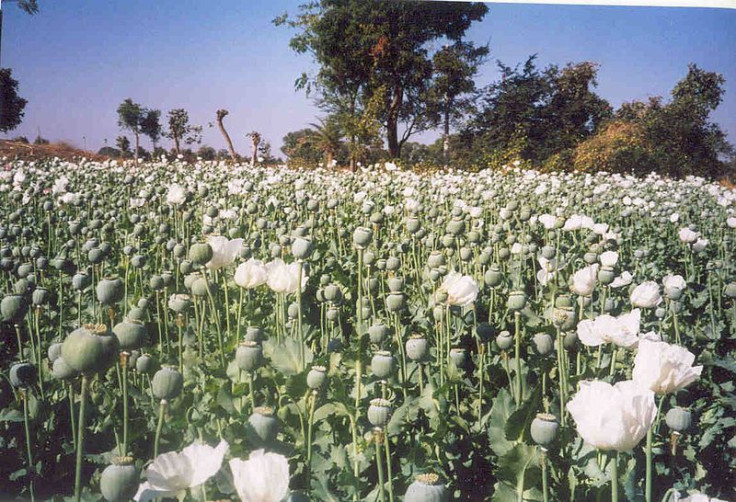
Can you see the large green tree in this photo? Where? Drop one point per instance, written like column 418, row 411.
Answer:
column 377, row 53
column 11, row 104
column 151, row 126
column 537, row 113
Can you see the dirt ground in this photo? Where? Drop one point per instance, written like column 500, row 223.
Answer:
column 17, row 150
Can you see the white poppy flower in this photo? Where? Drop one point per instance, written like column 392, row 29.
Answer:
column 251, row 274
column 176, row 195
column 283, row 278
column 646, row 295
column 608, row 258
column 583, row 281
column 461, row 289
column 612, row 417
column 264, row 477
column 174, row 472
column 687, row 235
column 663, row 367
column 622, row 280
column 224, row 251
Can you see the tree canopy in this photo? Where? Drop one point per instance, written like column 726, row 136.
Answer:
column 11, row 104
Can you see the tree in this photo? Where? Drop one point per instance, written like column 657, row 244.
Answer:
column 377, row 50
column 123, row 144
column 221, row 114
column 328, row 138
column 11, row 105
column 255, row 138
column 130, row 117
column 536, row 114
column 180, row 130
column 151, row 126
column 450, row 95
column 301, row 148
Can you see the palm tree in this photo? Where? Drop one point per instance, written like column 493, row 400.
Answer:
column 328, row 138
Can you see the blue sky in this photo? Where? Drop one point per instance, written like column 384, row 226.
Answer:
column 76, row 61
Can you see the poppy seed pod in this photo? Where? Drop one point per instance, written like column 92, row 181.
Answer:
column 167, row 383
column 23, row 375
column 678, row 419
column 362, row 237
column 13, row 308
column 493, row 276
column 253, row 334
column 543, row 343
column 302, row 248
column 61, row 370
column 264, row 424
column 249, row 356
column 426, row 488
column 378, row 333
column 417, row 348
column 436, row 259
column 730, row 290
column 179, row 303
column 200, row 253
column 317, row 377
column 24, row 270
column 549, row 252
column 110, row 290
column 564, row 318
column 90, row 349
column 156, row 282
column 606, row 275
column 504, row 340
column 379, row 412
column 456, row 226
column 119, row 481
column 484, row 331
column 144, row 364
column 516, row 301
column 382, row 364
column 54, row 352
column 395, row 302
column 40, row 296
column 396, row 284
column 332, row 293
column 544, row 428
column 413, row 224
column 459, row 356
column 202, row 287
column 131, row 334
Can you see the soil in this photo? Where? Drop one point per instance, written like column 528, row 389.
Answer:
column 24, row 151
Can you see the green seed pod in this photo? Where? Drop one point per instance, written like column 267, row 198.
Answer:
column 40, row 296
column 167, row 383
column 395, row 302
column 23, row 375
column 144, row 364
column 132, row 334
column 264, row 424
column 180, row 303
column 393, row 263
column 362, row 237
column 333, row 293
column 90, row 349
column 62, row 371
column 317, row 377
column 202, row 287
column 413, row 224
column 516, row 301
column 564, row 318
column 25, row 269
column 110, row 290
column 549, row 252
column 24, row 286
column 493, row 276
column 119, row 481
column 379, row 412
column 253, row 334
column 378, row 333
column 54, row 352
column 95, row 255
column 459, row 357
column 417, row 348
column 606, row 275
column 485, row 332
column 301, row 248
column 456, row 226
column 570, row 340
column 332, row 313
column 504, row 340
column 544, row 428
column 436, row 259
column 678, row 419
column 156, row 283
column 179, row 251
column 466, row 254
column 293, row 310
column 730, row 290
column 249, row 356
column 382, row 364
column 543, row 343
column 13, row 308
column 200, row 253
column 80, row 281
column 590, row 258
column 396, row 284
column 426, row 488
column 137, row 314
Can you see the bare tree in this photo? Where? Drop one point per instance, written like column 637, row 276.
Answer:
column 255, row 137
column 221, row 114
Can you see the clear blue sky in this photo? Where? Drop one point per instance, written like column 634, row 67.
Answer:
column 76, row 61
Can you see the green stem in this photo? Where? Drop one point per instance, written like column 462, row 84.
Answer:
column 160, row 424
column 614, row 479
column 545, row 487
column 387, row 449
column 310, row 424
column 80, row 441
column 125, row 405
column 379, row 465
column 517, row 351
column 31, row 470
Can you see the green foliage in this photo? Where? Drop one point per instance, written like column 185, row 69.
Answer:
column 180, row 130
column 374, row 50
column 11, row 104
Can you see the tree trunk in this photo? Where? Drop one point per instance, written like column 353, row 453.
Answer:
column 392, row 123
column 446, row 133
column 256, row 141
column 135, row 154
column 177, row 147
column 221, row 114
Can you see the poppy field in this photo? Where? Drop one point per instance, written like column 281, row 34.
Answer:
column 213, row 332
